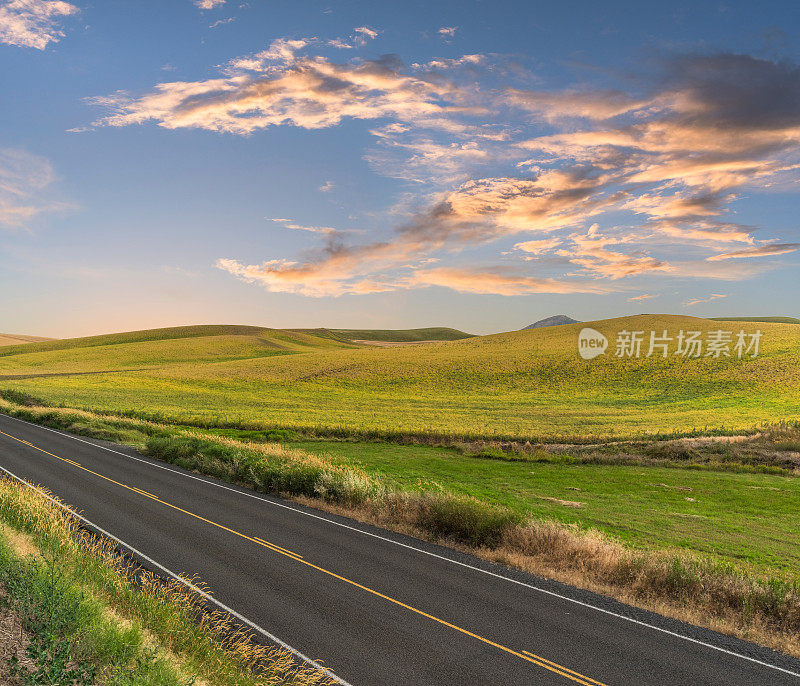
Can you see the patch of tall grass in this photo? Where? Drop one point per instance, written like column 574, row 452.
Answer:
column 87, row 605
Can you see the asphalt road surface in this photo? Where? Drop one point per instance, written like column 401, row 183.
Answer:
column 377, row 608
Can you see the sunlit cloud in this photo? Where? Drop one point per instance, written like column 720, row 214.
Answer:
column 366, row 31
column 591, row 252
column 643, row 296
column 557, row 106
column 278, row 87
column 698, row 301
column 648, row 171
column 759, row 251
column 208, row 4
column 33, row 23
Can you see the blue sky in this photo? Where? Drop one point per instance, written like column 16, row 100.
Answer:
column 471, row 164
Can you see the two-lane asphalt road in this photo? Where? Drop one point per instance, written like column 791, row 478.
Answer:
column 377, row 608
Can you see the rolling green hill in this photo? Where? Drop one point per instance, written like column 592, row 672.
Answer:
column 520, row 384
column 278, row 337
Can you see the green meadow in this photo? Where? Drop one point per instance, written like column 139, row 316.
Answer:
column 749, row 518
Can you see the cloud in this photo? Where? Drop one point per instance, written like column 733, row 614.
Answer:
column 476, row 213
column 540, row 246
column 643, row 296
column 423, row 159
column 208, row 4
column 221, row 22
column 287, row 223
column 556, row 106
column 444, row 63
column 447, row 31
column 278, row 87
column 697, row 301
column 25, row 189
column 715, row 123
column 758, row 251
column 282, row 276
column 660, row 163
column 33, row 23
column 496, row 282
column 327, row 187
column 590, row 251
column 366, row 31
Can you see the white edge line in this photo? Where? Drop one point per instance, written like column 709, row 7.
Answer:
column 222, row 606
column 425, row 552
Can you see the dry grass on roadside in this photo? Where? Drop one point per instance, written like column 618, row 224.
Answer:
column 159, row 626
column 688, row 587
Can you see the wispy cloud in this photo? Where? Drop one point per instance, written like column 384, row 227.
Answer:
column 447, row 31
column 497, row 282
column 539, row 246
column 33, row 23
column 287, row 223
column 25, row 189
column 698, row 301
column 220, row 22
column 643, row 296
column 758, row 251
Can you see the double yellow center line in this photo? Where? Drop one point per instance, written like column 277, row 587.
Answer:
column 549, row 665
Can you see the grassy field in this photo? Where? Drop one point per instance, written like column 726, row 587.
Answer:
column 518, row 385
column 750, row 518
column 774, row 320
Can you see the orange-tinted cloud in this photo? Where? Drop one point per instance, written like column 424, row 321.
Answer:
column 277, row 87
column 660, row 166
column 758, row 251
column 697, row 301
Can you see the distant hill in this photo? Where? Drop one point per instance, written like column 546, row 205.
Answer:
column 258, row 337
column 222, row 340
column 19, row 339
column 768, row 320
column 437, row 333
column 557, row 320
